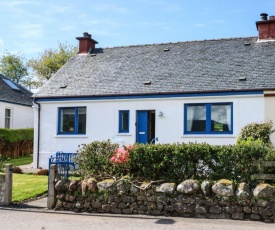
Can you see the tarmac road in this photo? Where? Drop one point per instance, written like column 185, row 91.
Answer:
column 35, row 219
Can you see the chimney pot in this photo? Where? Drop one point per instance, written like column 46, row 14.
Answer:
column 264, row 16
column 85, row 34
column 272, row 18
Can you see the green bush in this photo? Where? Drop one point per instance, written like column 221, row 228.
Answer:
column 257, row 131
column 175, row 162
column 94, row 159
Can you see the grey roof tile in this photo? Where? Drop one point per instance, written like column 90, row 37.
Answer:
column 9, row 95
column 209, row 65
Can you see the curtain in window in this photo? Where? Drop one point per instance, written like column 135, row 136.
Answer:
column 190, row 117
column 228, row 116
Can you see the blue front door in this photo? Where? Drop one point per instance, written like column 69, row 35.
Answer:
column 142, row 127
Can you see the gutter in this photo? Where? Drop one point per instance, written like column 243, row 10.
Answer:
column 38, row 130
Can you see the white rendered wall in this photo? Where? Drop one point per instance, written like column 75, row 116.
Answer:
column 270, row 112
column 102, row 122
column 21, row 116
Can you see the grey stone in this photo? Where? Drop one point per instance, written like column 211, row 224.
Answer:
column 156, row 212
column 247, row 209
column 200, row 210
column 116, row 210
column 262, row 203
column 106, row 185
column 188, row 187
column 60, row 185
column 264, row 191
column 243, row 192
column 223, row 188
column 126, row 211
column 87, row 205
column 255, row 217
column 167, row 188
column 92, row 184
column 79, row 205
column 123, row 186
column 96, row 204
column 265, row 212
column 238, row 216
column 206, row 187
column 106, row 208
column 215, row 209
column 121, row 205
column 74, row 185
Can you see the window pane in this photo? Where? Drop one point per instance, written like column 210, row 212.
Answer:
column 125, row 121
column 67, row 120
column 7, row 118
column 82, row 120
column 196, row 118
column 7, row 113
column 220, row 118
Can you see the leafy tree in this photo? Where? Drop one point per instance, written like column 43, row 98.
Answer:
column 50, row 61
column 13, row 66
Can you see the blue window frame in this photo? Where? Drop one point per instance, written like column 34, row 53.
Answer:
column 208, row 118
column 123, row 126
column 72, row 120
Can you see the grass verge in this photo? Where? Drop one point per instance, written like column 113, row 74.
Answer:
column 20, row 161
column 28, row 186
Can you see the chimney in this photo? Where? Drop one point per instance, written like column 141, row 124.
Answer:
column 86, row 43
column 266, row 27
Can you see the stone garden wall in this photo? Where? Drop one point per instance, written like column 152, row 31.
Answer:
column 221, row 200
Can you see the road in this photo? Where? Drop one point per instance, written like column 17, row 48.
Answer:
column 24, row 219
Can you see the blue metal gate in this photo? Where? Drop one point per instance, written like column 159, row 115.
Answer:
column 65, row 163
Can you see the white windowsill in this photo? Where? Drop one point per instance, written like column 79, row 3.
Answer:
column 71, row 136
column 123, row 134
column 208, row 136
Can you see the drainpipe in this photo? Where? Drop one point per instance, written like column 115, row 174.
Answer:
column 38, row 108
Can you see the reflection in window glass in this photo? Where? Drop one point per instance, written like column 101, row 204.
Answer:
column 72, row 120
column 220, row 118
column 196, row 118
column 7, row 118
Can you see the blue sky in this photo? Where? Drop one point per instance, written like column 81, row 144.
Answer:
column 31, row 26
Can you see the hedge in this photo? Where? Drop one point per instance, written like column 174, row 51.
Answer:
column 174, row 162
column 16, row 142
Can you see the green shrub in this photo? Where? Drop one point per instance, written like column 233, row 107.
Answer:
column 257, row 131
column 94, row 159
column 175, row 162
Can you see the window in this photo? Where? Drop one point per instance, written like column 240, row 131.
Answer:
column 7, row 118
column 123, row 121
column 72, row 120
column 209, row 118
column 11, row 84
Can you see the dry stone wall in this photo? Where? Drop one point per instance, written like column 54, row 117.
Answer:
column 220, row 200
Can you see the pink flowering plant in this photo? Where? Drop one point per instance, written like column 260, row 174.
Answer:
column 121, row 155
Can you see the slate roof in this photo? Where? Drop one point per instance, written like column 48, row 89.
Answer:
column 9, row 95
column 197, row 66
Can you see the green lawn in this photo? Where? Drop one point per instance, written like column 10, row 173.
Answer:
column 20, row 161
column 27, row 186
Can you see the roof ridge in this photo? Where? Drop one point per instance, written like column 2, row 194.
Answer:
column 189, row 41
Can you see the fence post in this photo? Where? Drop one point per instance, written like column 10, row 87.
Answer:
column 8, row 185
column 51, row 201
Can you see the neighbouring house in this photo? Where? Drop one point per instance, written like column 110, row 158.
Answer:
column 15, row 105
column 198, row 91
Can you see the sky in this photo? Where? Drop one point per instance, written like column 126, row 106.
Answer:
column 31, row 26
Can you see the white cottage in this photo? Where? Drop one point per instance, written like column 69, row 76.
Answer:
column 15, row 105
column 199, row 91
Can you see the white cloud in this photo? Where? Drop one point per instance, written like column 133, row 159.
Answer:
column 12, row 4
column 29, row 30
